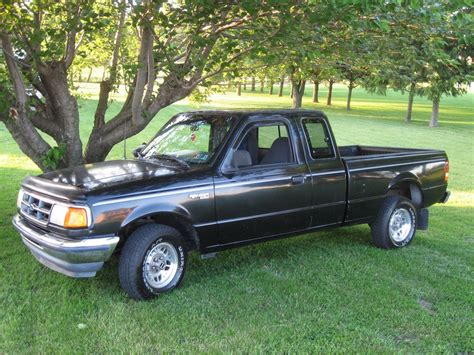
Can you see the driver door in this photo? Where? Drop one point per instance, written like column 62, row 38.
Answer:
column 272, row 194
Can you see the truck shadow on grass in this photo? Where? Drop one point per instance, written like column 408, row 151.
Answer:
column 334, row 252
column 330, row 243
column 280, row 257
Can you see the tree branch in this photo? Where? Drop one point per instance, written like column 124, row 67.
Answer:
column 14, row 73
column 70, row 48
column 30, row 142
column 21, row 62
column 40, row 120
column 107, row 85
column 23, row 132
column 145, row 48
column 71, row 39
column 150, row 77
column 80, row 41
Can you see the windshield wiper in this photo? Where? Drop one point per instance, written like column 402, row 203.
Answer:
column 171, row 158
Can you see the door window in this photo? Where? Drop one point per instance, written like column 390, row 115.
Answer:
column 268, row 134
column 318, row 138
column 268, row 144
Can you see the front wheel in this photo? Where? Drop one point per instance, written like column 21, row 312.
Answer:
column 395, row 225
column 153, row 261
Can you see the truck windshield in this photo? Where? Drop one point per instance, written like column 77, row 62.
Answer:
column 190, row 139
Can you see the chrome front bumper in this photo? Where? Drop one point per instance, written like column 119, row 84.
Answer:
column 75, row 258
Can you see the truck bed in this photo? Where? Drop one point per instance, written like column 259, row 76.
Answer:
column 371, row 172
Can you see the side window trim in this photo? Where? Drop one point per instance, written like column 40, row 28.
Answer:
column 306, row 138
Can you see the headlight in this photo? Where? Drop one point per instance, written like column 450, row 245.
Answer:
column 19, row 199
column 70, row 217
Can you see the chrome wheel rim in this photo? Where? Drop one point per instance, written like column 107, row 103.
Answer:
column 400, row 225
column 160, row 265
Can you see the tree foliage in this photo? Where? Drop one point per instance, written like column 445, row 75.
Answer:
column 166, row 51
column 185, row 42
column 425, row 49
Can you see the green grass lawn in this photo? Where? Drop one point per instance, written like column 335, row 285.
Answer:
column 327, row 291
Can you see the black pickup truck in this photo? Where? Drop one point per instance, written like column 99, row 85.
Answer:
column 213, row 180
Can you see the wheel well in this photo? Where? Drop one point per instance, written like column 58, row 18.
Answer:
column 184, row 227
column 410, row 191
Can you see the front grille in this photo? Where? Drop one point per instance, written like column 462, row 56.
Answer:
column 36, row 209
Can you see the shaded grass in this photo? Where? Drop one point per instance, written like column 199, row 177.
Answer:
column 327, row 291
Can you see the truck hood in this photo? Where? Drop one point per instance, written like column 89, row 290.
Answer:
column 99, row 175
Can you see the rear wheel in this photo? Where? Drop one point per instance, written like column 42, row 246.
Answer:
column 152, row 261
column 395, row 225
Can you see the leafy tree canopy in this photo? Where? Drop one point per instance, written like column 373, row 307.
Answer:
column 165, row 51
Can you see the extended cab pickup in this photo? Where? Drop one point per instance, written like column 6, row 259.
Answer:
column 213, row 180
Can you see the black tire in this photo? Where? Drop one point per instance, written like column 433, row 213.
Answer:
column 380, row 228
column 139, row 248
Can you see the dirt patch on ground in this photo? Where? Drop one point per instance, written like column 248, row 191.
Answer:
column 427, row 305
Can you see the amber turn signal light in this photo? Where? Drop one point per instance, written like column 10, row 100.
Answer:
column 75, row 218
column 446, row 171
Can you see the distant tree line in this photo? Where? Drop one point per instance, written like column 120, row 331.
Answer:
column 424, row 49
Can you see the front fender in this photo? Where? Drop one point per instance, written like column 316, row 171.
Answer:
column 148, row 210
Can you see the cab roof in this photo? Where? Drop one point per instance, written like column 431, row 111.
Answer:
column 250, row 112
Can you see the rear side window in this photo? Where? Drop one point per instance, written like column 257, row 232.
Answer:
column 318, row 138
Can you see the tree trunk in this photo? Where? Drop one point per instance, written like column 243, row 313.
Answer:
column 262, row 85
column 57, row 117
column 316, row 91
column 298, row 93
column 103, row 73
column 271, row 88
column 252, row 87
column 89, row 76
column 411, row 96
column 435, row 112
column 349, row 96
column 297, row 99
column 282, row 83
column 329, row 101
column 64, row 106
column 245, row 84
column 239, row 88
column 291, row 89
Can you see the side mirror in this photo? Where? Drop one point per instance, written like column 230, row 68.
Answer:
column 137, row 151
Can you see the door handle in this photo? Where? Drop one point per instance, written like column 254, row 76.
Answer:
column 297, row 180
